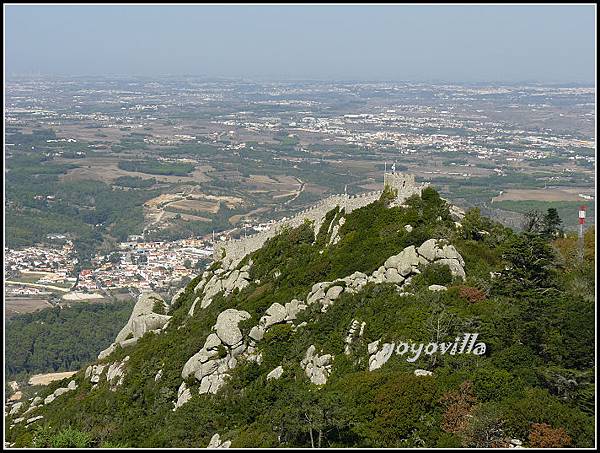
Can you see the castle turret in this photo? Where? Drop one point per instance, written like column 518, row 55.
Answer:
column 403, row 183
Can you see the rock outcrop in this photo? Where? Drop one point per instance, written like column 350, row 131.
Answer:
column 222, row 348
column 316, row 367
column 39, row 401
column 215, row 442
column 143, row 319
column 114, row 374
column 177, row 295
column 227, row 326
column 183, row 396
column 352, row 334
column 224, row 279
column 16, row 408
column 94, row 372
column 219, row 354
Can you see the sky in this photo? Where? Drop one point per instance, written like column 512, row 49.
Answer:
column 469, row 43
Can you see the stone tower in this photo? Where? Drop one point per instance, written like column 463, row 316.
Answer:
column 404, row 184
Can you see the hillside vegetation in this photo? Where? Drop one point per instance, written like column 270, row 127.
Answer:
column 527, row 297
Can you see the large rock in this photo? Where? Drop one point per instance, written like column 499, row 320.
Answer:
column 257, row 333
column 116, row 370
column 212, row 341
column 215, row 442
column 33, row 419
column 143, row 307
column 129, row 342
column 355, row 281
column 207, row 368
column 183, row 396
column 334, row 292
column 94, row 372
column 202, row 282
column 315, row 296
column 404, row 261
column 212, row 288
column 146, row 323
column 60, row 391
column 316, row 367
column 177, row 294
column 229, row 282
column 106, row 352
column 449, row 252
column 436, row 288
column 275, row 374
column 238, row 349
column 204, row 365
column 455, row 267
column 428, row 249
column 292, row 309
column 16, row 408
column 275, row 314
column 142, row 319
column 392, row 275
column 194, row 363
column 242, row 281
column 212, row 383
column 227, row 325
column 372, row 347
column 193, row 307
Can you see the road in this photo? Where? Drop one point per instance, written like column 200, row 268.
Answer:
column 299, row 192
column 37, row 285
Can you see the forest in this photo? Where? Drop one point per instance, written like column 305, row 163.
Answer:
column 60, row 339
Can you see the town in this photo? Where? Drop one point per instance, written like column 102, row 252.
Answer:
column 138, row 265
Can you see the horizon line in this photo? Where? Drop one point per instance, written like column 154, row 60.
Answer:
column 281, row 79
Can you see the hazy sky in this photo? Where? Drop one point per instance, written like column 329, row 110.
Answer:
column 389, row 42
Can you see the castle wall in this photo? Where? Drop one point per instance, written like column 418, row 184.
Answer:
column 236, row 249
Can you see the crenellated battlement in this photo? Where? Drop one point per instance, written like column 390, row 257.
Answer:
column 234, row 250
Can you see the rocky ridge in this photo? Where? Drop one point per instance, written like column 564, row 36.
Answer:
column 224, row 347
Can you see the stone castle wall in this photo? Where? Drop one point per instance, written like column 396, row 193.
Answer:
column 235, row 249
column 403, row 183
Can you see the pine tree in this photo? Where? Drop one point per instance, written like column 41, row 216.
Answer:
column 533, row 221
column 551, row 224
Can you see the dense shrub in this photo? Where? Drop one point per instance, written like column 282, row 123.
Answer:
column 471, row 294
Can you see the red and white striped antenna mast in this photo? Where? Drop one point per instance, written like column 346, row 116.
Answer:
column 581, row 224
